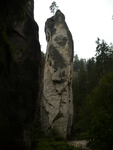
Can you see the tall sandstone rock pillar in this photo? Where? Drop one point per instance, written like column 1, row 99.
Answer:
column 57, row 99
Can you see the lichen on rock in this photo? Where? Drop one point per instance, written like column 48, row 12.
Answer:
column 57, row 101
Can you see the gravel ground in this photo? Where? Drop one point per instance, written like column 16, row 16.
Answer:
column 80, row 144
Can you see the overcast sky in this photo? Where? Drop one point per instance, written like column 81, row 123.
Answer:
column 86, row 19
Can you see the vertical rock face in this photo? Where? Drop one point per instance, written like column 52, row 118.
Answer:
column 57, row 100
column 19, row 81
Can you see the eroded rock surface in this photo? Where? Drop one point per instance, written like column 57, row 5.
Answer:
column 19, row 77
column 57, row 100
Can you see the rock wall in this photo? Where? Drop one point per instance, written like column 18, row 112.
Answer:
column 57, row 98
column 20, row 59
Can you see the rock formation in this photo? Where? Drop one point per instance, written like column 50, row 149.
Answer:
column 20, row 59
column 57, row 99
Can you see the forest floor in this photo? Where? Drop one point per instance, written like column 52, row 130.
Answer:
column 81, row 144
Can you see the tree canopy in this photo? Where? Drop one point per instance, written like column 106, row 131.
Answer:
column 53, row 7
column 93, row 97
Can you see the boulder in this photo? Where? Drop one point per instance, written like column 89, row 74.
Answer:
column 57, row 98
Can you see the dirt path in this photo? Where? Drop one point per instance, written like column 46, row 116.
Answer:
column 80, row 144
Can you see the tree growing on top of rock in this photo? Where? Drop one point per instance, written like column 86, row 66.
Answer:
column 53, row 7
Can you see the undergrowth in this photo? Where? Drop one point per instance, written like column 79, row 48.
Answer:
column 52, row 143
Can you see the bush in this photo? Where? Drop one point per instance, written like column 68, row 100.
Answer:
column 52, row 144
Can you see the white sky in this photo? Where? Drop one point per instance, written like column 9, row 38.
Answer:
column 86, row 19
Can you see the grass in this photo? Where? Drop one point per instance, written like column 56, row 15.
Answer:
column 79, row 136
column 52, row 144
column 82, row 136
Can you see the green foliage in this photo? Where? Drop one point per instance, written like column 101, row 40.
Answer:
column 79, row 90
column 53, row 7
column 91, row 75
column 97, row 115
column 76, row 64
column 93, row 98
column 104, row 58
column 52, row 144
column 79, row 82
